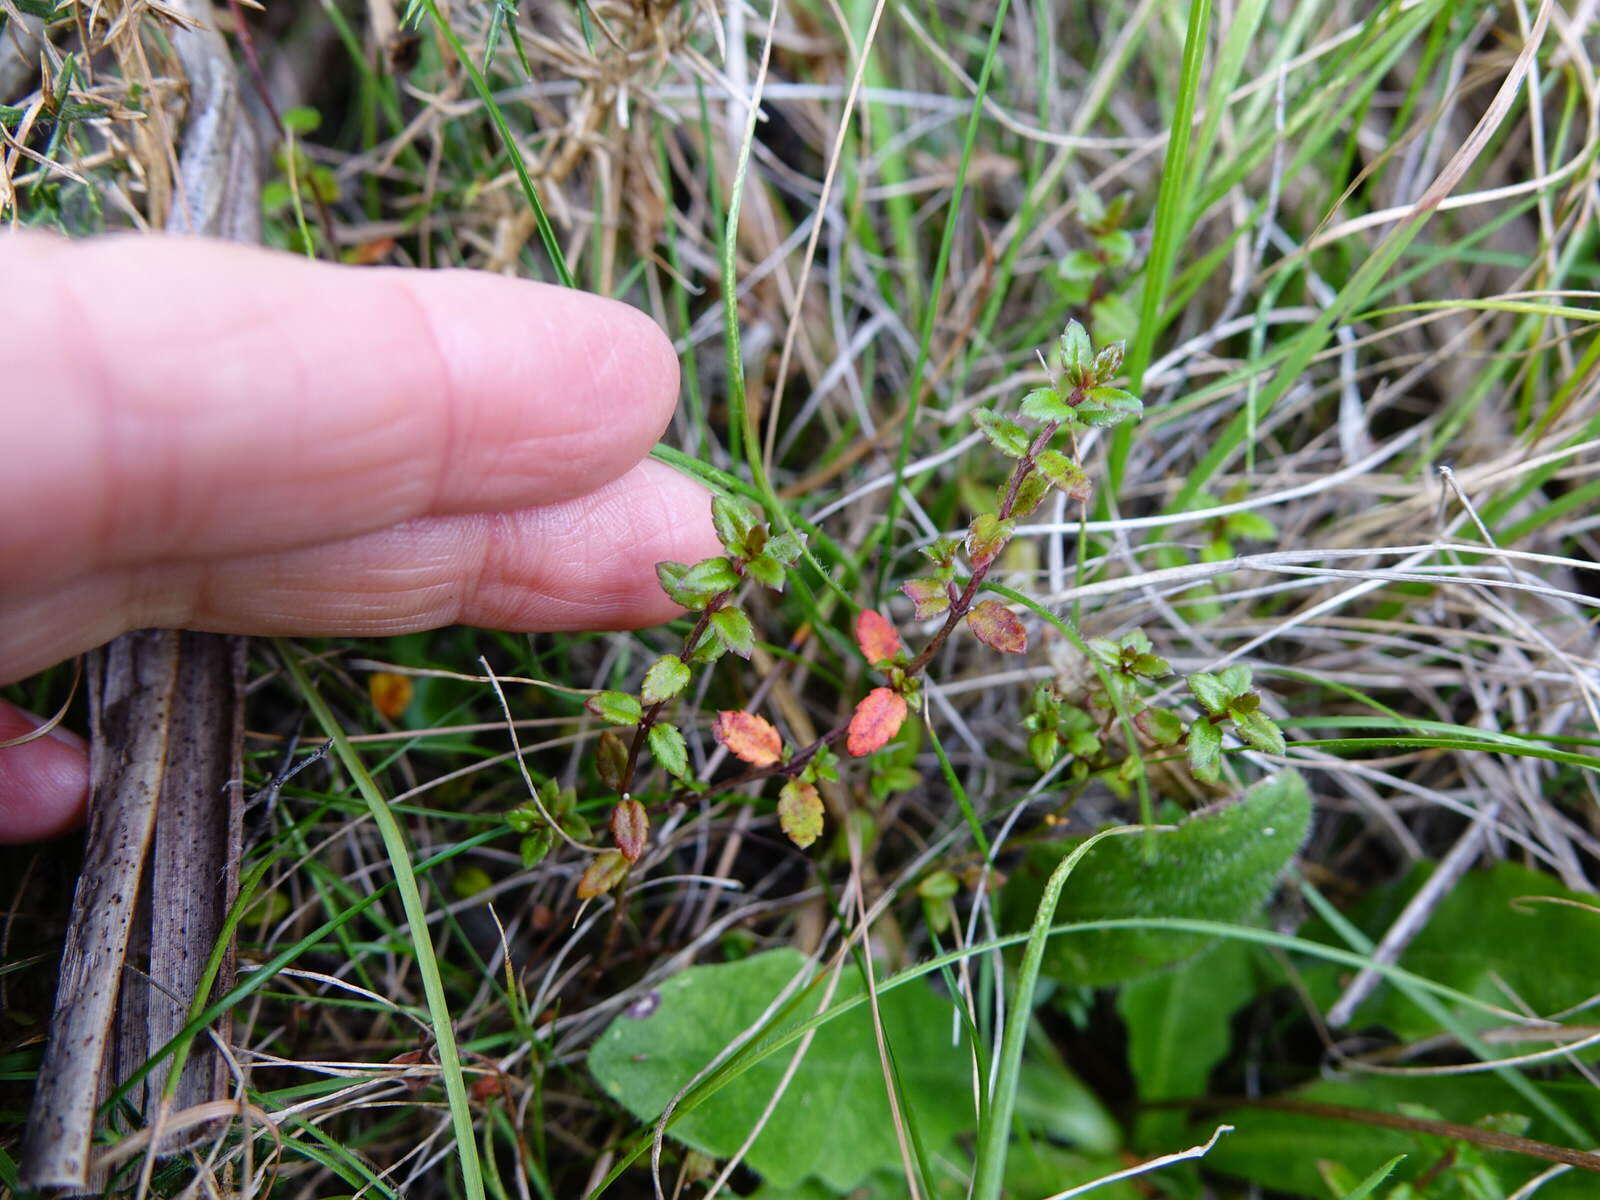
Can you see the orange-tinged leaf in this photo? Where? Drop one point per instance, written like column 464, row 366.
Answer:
column 486, row 1086
column 367, row 253
column 748, row 737
column 391, row 693
column 877, row 719
column 876, row 637
column 602, row 874
column 997, row 626
column 986, row 537
column 800, row 812
column 931, row 596
column 630, row 828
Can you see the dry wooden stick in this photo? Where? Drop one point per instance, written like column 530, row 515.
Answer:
column 168, row 726
column 130, row 706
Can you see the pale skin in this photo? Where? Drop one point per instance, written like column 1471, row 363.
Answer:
column 204, row 436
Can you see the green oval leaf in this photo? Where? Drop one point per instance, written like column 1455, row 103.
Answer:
column 619, row 708
column 667, row 676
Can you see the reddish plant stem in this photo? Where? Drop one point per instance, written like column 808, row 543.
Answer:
column 653, row 713
column 959, row 607
column 962, row 604
column 790, row 767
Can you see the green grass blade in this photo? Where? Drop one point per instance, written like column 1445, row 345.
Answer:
column 547, row 233
column 394, row 842
column 941, row 264
column 1171, row 224
column 995, row 1136
column 1370, row 1184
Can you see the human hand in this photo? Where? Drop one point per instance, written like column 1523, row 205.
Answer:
column 205, row 436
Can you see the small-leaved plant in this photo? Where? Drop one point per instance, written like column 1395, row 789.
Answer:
column 1041, row 440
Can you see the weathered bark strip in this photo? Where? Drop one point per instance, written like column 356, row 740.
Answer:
column 168, row 733
column 194, row 875
column 219, row 172
column 132, row 684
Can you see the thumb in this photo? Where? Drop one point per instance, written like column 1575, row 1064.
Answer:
column 44, row 781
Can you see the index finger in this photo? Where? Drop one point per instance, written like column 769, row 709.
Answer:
column 188, row 399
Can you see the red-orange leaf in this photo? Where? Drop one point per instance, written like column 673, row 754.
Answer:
column 877, row 719
column 749, row 737
column 997, row 626
column 391, row 693
column 630, row 828
column 876, row 637
column 602, row 874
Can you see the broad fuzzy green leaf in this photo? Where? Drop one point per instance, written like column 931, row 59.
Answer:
column 1108, row 362
column 1235, row 680
column 767, row 571
column 693, row 587
column 784, row 549
column 711, row 575
column 535, row 846
column 833, row 1122
column 1163, row 725
column 1220, row 865
column 1104, row 651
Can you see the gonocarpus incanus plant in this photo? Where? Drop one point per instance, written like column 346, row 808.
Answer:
column 1042, row 441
